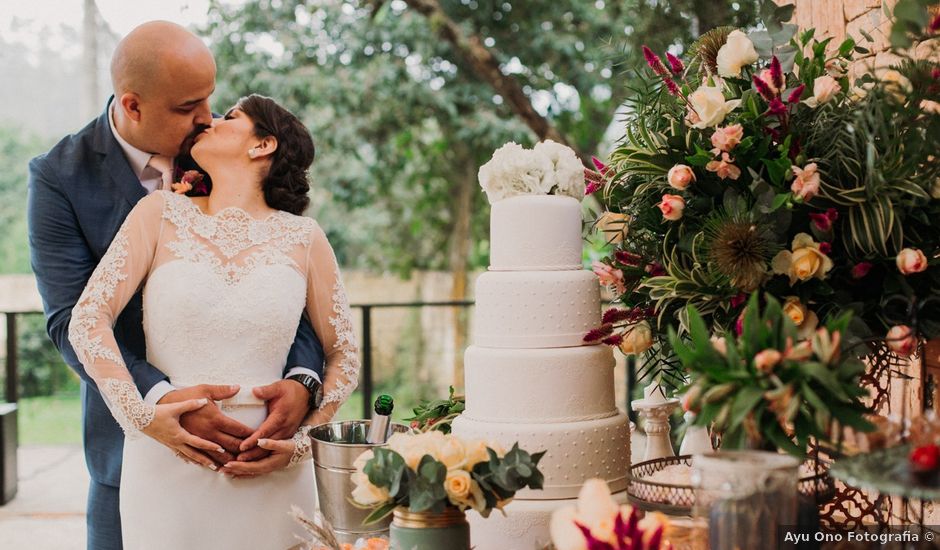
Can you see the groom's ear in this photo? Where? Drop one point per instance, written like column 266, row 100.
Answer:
column 130, row 103
column 266, row 147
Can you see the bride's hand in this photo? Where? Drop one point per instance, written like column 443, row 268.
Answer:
column 281, row 452
column 165, row 428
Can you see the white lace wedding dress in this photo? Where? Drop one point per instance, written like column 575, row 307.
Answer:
column 223, row 296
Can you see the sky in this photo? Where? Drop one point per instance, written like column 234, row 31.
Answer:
column 27, row 22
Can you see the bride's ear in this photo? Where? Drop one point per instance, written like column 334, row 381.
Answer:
column 264, row 148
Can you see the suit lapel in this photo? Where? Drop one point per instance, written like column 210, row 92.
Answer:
column 115, row 164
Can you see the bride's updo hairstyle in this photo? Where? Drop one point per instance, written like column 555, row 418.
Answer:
column 285, row 186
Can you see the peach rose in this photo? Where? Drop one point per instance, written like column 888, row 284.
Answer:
column 737, row 52
column 680, row 176
column 727, row 138
column 720, row 344
column 457, row 485
column 795, row 310
column 824, row 89
column 901, row 340
column 452, row 453
column 724, row 168
column 614, row 226
column 766, row 360
column 930, row 107
column 609, row 277
column 672, row 207
column 911, row 260
column 637, row 339
column 806, row 183
column 804, row 262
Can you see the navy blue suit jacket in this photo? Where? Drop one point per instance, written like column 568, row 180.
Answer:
column 79, row 194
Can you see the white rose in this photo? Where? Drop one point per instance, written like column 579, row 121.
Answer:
column 475, row 453
column 597, row 508
column 710, row 105
column 452, row 453
column 737, row 52
column 568, row 177
column 824, row 89
column 365, row 492
column 565, row 534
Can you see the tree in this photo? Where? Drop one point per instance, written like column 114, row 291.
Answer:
column 407, row 99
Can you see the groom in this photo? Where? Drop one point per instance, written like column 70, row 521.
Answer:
column 79, row 194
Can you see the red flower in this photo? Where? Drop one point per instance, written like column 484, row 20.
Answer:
column 599, row 333
column 796, row 94
column 675, row 64
column 925, row 458
column 738, row 301
column 672, row 86
column 763, row 89
column 825, row 248
column 654, row 62
column 601, row 167
column 861, row 269
column 776, row 73
column 935, row 24
column 655, row 269
column 777, row 107
column 628, row 259
column 613, row 340
column 823, row 222
column 615, row 315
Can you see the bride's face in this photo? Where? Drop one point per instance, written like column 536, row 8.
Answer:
column 228, row 139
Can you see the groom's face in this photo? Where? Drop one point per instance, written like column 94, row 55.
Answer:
column 178, row 109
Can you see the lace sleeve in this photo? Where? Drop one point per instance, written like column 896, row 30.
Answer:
column 119, row 275
column 331, row 317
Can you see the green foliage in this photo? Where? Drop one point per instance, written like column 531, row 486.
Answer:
column 763, row 389
column 438, row 414
column 495, row 479
column 17, row 147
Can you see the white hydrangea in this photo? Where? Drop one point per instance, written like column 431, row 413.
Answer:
column 515, row 170
column 568, row 173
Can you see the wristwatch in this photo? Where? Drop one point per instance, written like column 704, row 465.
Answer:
column 313, row 386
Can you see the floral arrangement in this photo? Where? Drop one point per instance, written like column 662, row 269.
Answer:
column 549, row 168
column 323, row 537
column 431, row 470
column 191, row 181
column 597, row 522
column 768, row 387
column 439, row 414
column 756, row 164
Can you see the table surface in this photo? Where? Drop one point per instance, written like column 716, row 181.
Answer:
column 885, row 471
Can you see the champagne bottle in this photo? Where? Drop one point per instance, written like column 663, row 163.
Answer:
column 381, row 419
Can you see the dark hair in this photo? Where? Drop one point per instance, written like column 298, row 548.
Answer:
column 285, row 186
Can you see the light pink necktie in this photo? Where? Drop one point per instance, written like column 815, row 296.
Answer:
column 164, row 165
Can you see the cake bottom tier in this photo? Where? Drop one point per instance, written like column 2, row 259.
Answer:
column 574, row 451
column 524, row 527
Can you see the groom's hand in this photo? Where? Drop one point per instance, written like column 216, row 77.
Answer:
column 209, row 422
column 288, row 403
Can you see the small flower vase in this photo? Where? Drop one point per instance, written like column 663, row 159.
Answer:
column 429, row 531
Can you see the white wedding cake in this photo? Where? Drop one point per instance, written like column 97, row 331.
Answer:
column 528, row 376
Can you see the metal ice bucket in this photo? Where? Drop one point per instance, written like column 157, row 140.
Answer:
column 336, row 446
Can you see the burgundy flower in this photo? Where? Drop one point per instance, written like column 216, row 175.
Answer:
column 776, row 73
column 825, row 248
column 628, row 259
column 599, row 333
column 655, row 269
column 672, row 87
column 594, row 181
column 777, row 107
column 738, row 301
column 823, row 222
column 654, row 62
column 796, row 94
column 935, row 73
column 591, row 187
column 861, row 269
column 601, row 167
column 615, row 315
column 763, row 89
column 935, row 24
column 675, row 64
column 613, row 340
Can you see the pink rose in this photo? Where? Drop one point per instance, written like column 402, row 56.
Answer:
column 672, row 207
column 724, row 167
column 680, row 176
column 901, row 340
column 766, row 360
column 608, row 276
column 911, row 260
column 806, row 183
column 727, row 138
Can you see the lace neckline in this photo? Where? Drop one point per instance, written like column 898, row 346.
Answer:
column 233, row 213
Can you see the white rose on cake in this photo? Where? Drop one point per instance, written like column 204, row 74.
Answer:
column 514, row 170
column 569, row 172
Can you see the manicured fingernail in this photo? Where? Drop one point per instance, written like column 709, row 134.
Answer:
column 203, row 401
column 213, row 467
column 219, row 450
column 262, row 442
column 234, row 387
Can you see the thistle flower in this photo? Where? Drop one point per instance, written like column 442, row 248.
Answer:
column 740, row 251
column 654, row 62
column 675, row 64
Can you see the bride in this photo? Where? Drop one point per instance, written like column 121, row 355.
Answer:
column 225, row 280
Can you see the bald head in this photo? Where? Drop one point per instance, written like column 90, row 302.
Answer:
column 155, row 55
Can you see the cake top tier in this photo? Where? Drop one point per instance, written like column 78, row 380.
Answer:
column 536, row 233
column 547, row 169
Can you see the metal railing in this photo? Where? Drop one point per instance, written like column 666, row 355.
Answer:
column 366, row 381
